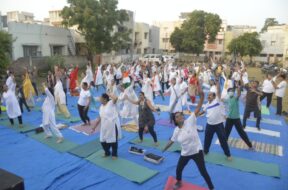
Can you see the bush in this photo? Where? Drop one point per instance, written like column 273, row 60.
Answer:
column 55, row 60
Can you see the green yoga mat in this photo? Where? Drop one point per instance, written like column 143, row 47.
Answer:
column 51, row 142
column 26, row 127
column 245, row 165
column 122, row 167
column 86, row 149
column 148, row 142
column 71, row 119
column 265, row 110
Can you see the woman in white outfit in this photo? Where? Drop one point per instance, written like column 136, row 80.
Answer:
column 60, row 99
column 48, row 119
column 109, row 121
column 147, row 88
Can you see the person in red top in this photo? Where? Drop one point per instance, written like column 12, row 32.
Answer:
column 73, row 81
column 193, row 83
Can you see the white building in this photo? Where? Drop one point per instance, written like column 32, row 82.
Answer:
column 40, row 40
column 54, row 18
column 146, row 38
column 17, row 16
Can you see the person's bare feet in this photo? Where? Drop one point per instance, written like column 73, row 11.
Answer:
column 60, row 140
column 47, row 136
column 156, row 144
column 229, row 158
column 114, row 157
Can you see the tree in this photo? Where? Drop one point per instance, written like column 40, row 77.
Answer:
column 5, row 50
column 196, row 29
column 269, row 22
column 100, row 22
column 246, row 44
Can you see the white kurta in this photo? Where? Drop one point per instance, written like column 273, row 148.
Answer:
column 156, row 83
column 60, row 97
column 10, row 83
column 173, row 97
column 109, row 120
column 12, row 105
column 48, row 109
column 147, row 89
column 89, row 74
column 99, row 77
column 183, row 87
column 129, row 110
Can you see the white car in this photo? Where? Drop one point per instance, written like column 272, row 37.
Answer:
column 152, row 58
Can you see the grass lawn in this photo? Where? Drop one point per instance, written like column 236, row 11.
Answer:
column 255, row 73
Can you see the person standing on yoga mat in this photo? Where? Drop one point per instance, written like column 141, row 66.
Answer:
column 191, row 148
column 48, row 118
column 109, row 124
column 12, row 106
column 84, row 103
column 215, row 114
column 233, row 116
column 146, row 117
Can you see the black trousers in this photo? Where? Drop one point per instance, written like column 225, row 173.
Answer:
column 106, row 146
column 83, row 114
column 163, row 86
column 279, row 106
column 257, row 115
column 19, row 120
column 21, row 102
column 269, row 98
column 151, row 131
column 161, row 93
column 220, row 131
column 199, row 161
column 238, row 125
column 35, row 88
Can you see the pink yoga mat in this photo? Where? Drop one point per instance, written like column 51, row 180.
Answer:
column 86, row 130
column 185, row 186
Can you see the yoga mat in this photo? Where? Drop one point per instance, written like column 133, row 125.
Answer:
column 122, row 167
column 130, row 128
column 51, row 142
column 258, row 146
column 163, row 108
column 71, row 119
column 3, row 108
column 185, row 186
column 245, row 165
column 148, row 142
column 265, row 110
column 37, row 108
column 85, row 150
column 262, row 131
column 266, row 120
column 26, row 127
column 85, row 129
column 165, row 122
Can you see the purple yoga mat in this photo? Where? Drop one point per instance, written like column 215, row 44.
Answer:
column 86, row 130
column 165, row 122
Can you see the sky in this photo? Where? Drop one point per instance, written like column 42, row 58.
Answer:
column 234, row 12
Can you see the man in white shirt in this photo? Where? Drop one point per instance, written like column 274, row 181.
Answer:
column 215, row 113
column 280, row 91
column 84, row 103
column 268, row 90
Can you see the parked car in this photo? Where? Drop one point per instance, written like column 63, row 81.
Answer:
column 152, row 57
column 167, row 57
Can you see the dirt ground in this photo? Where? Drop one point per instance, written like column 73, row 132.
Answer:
column 255, row 73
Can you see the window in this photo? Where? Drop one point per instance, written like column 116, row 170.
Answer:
column 165, row 40
column 220, row 41
column 273, row 43
column 145, row 35
column 30, row 51
column 57, row 50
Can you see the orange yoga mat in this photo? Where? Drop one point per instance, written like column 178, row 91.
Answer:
column 185, row 186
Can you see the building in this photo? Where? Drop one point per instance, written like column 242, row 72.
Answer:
column 234, row 31
column 54, row 18
column 38, row 40
column 166, row 29
column 146, row 38
column 274, row 42
column 17, row 16
column 217, row 47
column 285, row 50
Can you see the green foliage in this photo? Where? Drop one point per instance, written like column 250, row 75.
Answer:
column 199, row 27
column 269, row 22
column 5, row 50
column 246, row 44
column 100, row 22
column 55, row 60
